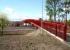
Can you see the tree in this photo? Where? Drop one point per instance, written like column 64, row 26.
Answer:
column 50, row 14
column 3, row 22
column 52, row 4
column 60, row 10
column 68, row 22
column 66, row 8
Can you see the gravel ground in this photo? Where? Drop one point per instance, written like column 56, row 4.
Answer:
column 18, row 30
column 31, row 41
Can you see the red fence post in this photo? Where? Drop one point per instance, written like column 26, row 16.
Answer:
column 65, row 31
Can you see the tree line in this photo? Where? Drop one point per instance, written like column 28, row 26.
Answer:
column 56, row 7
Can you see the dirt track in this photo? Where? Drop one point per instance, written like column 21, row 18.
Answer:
column 31, row 41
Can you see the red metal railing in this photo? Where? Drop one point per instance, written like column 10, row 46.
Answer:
column 57, row 28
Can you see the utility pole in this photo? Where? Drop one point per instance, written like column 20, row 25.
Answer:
column 42, row 17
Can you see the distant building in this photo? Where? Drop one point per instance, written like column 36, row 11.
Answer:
column 18, row 24
column 14, row 23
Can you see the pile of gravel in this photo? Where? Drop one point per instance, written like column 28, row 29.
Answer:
column 31, row 41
